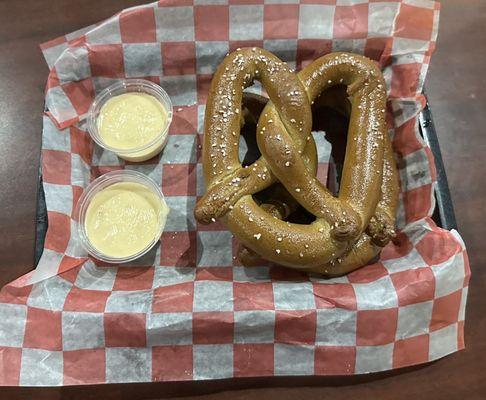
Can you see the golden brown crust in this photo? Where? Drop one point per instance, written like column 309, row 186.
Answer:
column 336, row 241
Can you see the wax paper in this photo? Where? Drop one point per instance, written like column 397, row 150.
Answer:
column 188, row 310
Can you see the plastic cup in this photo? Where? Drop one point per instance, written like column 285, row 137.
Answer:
column 147, row 150
column 101, row 183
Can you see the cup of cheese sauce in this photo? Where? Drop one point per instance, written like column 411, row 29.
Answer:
column 121, row 216
column 131, row 118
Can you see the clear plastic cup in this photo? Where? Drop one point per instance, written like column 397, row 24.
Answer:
column 101, row 183
column 148, row 150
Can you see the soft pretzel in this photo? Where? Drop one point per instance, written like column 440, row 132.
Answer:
column 348, row 230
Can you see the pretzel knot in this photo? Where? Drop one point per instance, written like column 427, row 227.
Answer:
column 348, row 230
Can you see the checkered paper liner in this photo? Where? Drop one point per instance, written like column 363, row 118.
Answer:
column 188, row 310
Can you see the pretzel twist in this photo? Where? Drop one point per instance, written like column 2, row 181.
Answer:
column 350, row 229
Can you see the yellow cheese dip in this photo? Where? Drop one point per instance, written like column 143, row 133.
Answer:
column 124, row 218
column 133, row 120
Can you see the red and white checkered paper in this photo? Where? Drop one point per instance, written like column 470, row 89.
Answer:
column 188, row 310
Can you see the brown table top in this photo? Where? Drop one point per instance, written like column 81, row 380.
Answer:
column 455, row 87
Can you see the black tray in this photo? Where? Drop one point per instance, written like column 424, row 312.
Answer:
column 443, row 213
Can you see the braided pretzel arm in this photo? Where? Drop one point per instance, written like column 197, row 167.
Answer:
column 288, row 155
column 362, row 170
column 226, row 179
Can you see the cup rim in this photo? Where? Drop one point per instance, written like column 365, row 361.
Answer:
column 101, row 183
column 102, row 97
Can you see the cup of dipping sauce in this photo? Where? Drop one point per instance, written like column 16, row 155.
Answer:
column 121, row 216
column 131, row 118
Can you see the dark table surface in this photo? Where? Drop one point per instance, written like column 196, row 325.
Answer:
column 456, row 89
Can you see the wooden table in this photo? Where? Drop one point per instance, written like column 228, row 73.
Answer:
column 455, row 88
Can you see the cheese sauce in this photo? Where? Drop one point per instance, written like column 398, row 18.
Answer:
column 131, row 120
column 124, row 219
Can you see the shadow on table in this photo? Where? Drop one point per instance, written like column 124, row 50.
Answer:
column 163, row 390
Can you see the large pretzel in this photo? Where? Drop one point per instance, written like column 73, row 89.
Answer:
column 348, row 230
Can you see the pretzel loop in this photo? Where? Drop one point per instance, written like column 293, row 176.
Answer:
column 349, row 226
